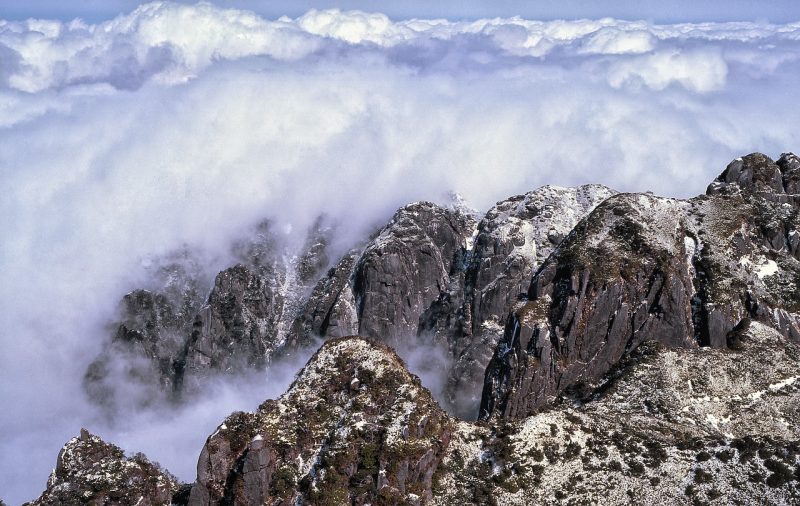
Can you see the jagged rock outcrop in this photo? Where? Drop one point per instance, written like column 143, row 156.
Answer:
column 238, row 326
column 91, row 471
column 419, row 280
column 354, row 428
column 172, row 333
column 640, row 267
column 511, row 241
column 406, row 267
column 667, row 426
column 151, row 333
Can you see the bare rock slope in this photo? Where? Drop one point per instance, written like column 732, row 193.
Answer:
column 640, row 267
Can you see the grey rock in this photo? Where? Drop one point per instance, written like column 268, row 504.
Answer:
column 237, row 328
column 790, row 168
column 755, row 172
column 91, row 471
column 330, row 441
column 511, row 242
column 148, row 339
column 330, row 309
column 405, row 268
column 172, row 335
column 639, row 267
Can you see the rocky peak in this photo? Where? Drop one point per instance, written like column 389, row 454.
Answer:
column 790, row 168
column 91, row 471
column 406, row 267
column 354, row 428
column 755, row 172
column 684, row 273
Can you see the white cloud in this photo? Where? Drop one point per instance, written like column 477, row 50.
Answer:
column 185, row 124
column 701, row 71
column 614, row 41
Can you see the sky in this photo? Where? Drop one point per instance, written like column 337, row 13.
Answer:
column 126, row 137
column 675, row 11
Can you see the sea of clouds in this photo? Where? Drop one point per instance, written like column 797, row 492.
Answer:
column 185, row 125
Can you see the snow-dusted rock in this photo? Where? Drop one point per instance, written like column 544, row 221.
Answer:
column 640, row 267
column 666, row 426
column 91, row 471
column 354, row 428
column 511, row 242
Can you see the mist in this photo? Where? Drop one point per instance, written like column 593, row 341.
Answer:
column 183, row 126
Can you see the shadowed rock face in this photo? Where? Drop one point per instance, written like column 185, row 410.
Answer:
column 150, row 335
column 330, row 309
column 355, row 427
column 639, row 267
column 238, row 327
column 406, row 267
column 91, row 471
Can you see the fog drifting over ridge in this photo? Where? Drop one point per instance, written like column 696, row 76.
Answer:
column 183, row 124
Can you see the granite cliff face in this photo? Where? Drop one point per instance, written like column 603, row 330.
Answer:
column 640, row 267
column 510, row 243
column 433, row 275
column 630, row 347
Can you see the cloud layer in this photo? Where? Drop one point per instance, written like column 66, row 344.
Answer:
column 181, row 124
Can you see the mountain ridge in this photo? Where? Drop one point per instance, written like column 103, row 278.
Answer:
column 632, row 301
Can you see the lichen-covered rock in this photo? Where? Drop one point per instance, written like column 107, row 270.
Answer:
column 665, row 426
column 354, row 428
column 640, row 267
column 91, row 471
